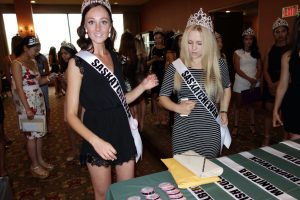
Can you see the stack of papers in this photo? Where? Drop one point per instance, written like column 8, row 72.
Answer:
column 186, row 169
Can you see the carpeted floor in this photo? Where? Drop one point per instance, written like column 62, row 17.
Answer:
column 71, row 181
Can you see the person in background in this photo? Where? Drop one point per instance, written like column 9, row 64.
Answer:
column 156, row 61
column 271, row 71
column 67, row 51
column 15, row 41
column 108, row 140
column 29, row 100
column 172, row 54
column 3, row 142
column 54, row 64
column 194, row 127
column 287, row 94
column 141, row 74
column 220, row 45
column 247, row 66
column 43, row 67
column 128, row 55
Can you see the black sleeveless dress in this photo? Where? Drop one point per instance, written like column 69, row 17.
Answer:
column 290, row 105
column 274, row 68
column 104, row 115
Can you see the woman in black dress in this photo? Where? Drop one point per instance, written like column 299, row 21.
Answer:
column 287, row 93
column 108, row 140
column 271, row 71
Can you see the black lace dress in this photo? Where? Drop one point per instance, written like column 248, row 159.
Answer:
column 104, row 115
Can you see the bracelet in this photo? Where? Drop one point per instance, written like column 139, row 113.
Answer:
column 223, row 111
column 47, row 77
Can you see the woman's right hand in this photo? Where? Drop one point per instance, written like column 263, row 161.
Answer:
column 253, row 82
column 277, row 120
column 30, row 114
column 186, row 107
column 104, row 149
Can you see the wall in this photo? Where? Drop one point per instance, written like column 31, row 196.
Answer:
column 131, row 18
column 173, row 15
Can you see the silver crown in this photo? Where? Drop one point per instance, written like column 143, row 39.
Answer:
column 248, row 31
column 158, row 29
column 68, row 45
column 279, row 22
column 105, row 3
column 200, row 18
column 176, row 33
column 33, row 41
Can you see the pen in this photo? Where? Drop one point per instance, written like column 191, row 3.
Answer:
column 204, row 159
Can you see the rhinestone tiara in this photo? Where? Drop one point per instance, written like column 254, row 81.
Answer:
column 68, row 45
column 177, row 33
column 248, row 31
column 105, row 3
column 200, row 18
column 33, row 41
column 279, row 22
column 158, row 29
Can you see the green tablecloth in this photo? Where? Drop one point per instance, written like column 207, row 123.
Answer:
column 265, row 173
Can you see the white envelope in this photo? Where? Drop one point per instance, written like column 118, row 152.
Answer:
column 38, row 124
column 194, row 162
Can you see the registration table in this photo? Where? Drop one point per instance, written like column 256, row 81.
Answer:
column 271, row 172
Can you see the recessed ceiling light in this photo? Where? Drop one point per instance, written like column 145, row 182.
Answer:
column 227, row 11
column 32, row 2
column 116, row 2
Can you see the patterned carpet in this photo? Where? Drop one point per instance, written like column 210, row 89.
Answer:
column 71, row 181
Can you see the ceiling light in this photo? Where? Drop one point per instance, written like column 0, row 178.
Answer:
column 32, row 2
column 227, row 11
column 116, row 3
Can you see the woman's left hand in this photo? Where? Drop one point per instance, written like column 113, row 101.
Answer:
column 150, row 82
column 224, row 119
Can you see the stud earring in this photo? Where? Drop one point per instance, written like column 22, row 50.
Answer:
column 86, row 36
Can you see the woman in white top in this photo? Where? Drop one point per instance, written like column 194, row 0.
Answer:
column 247, row 66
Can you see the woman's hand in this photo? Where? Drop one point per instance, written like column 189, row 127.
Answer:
column 30, row 114
column 104, row 149
column 253, row 82
column 150, row 82
column 276, row 119
column 224, row 118
column 186, row 107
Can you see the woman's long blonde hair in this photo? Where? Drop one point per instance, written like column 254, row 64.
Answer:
column 210, row 57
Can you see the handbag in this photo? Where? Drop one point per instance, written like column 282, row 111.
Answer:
column 38, row 124
column 251, row 95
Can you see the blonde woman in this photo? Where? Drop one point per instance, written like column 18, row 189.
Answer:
column 194, row 127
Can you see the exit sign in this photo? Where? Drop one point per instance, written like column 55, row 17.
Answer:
column 289, row 11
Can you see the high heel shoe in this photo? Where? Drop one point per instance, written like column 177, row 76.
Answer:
column 47, row 166
column 39, row 172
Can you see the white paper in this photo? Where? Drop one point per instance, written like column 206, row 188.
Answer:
column 194, row 162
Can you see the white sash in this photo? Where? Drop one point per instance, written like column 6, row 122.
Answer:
column 115, row 85
column 199, row 93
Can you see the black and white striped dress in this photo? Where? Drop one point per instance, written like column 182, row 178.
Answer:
column 199, row 131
